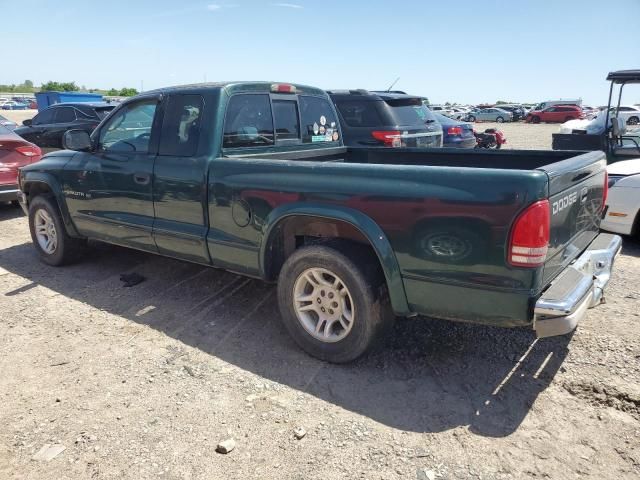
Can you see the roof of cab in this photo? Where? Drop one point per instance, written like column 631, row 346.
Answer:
column 370, row 94
column 238, row 87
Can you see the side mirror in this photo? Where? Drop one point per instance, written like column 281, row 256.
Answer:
column 27, row 122
column 78, row 140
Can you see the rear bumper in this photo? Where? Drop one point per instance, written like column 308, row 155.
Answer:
column 578, row 288
column 8, row 193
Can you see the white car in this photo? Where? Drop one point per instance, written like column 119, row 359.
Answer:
column 623, row 201
column 630, row 114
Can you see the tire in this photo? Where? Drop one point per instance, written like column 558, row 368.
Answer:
column 15, row 203
column 44, row 215
column 366, row 301
column 535, row 119
column 568, row 118
column 498, row 145
column 472, row 118
column 633, row 121
column 500, row 119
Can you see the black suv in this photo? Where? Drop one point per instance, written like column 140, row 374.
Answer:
column 47, row 127
column 389, row 119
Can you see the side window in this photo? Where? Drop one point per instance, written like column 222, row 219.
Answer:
column 285, row 113
column 65, row 115
column 248, row 122
column 316, row 112
column 181, row 125
column 359, row 113
column 129, row 129
column 45, row 117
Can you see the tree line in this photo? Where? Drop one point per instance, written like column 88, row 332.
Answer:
column 28, row 87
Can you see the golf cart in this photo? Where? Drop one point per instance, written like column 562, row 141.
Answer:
column 610, row 133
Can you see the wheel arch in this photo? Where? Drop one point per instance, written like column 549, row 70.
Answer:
column 282, row 228
column 40, row 183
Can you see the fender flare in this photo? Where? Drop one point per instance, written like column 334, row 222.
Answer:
column 367, row 227
column 54, row 185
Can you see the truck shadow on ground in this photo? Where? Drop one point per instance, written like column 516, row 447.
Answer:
column 430, row 375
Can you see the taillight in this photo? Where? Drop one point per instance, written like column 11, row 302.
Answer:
column 605, row 191
column 530, row 236
column 29, row 150
column 454, row 131
column 391, row 138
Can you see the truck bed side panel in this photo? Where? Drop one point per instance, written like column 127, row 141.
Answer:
column 447, row 225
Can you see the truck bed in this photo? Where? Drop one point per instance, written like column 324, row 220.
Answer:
column 423, row 197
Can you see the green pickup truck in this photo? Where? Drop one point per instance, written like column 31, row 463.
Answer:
column 254, row 178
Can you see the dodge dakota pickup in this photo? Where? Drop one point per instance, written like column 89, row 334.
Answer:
column 254, row 178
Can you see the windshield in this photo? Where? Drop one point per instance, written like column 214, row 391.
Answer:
column 409, row 111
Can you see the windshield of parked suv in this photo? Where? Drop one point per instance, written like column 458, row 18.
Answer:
column 409, row 111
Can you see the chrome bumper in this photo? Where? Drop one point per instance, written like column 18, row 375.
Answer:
column 579, row 287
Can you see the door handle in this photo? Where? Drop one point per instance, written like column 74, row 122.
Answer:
column 141, row 178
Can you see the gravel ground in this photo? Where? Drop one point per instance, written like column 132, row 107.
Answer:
column 144, row 382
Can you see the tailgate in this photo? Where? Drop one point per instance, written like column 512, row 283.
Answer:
column 576, row 190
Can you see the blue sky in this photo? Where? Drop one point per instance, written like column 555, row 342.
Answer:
column 461, row 50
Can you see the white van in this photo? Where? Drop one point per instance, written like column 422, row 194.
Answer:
column 551, row 103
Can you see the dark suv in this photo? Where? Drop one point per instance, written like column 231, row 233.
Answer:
column 47, row 127
column 386, row 119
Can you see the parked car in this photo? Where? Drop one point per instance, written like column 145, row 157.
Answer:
column 5, row 122
column 439, row 109
column 384, row 119
column 622, row 210
column 516, row 110
column 13, row 105
column 455, row 134
column 48, row 126
column 550, row 103
column 589, row 112
column 15, row 152
column 457, row 113
column 557, row 114
column 490, row 115
column 234, row 175
column 629, row 113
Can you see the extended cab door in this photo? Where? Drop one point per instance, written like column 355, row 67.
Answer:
column 109, row 190
column 179, row 181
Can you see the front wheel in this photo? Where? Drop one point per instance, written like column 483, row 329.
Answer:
column 535, row 119
column 633, row 121
column 333, row 301
column 500, row 119
column 49, row 235
column 472, row 118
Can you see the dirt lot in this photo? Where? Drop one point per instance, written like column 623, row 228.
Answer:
column 143, row 382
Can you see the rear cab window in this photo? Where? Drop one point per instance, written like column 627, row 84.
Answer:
column 264, row 120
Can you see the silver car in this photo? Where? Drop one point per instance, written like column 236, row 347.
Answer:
column 490, row 115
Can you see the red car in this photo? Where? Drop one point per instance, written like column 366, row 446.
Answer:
column 15, row 152
column 557, row 113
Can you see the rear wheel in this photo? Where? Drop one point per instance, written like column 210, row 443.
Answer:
column 535, row 119
column 633, row 121
column 472, row 118
column 569, row 118
column 49, row 235
column 500, row 119
column 15, row 203
column 333, row 301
